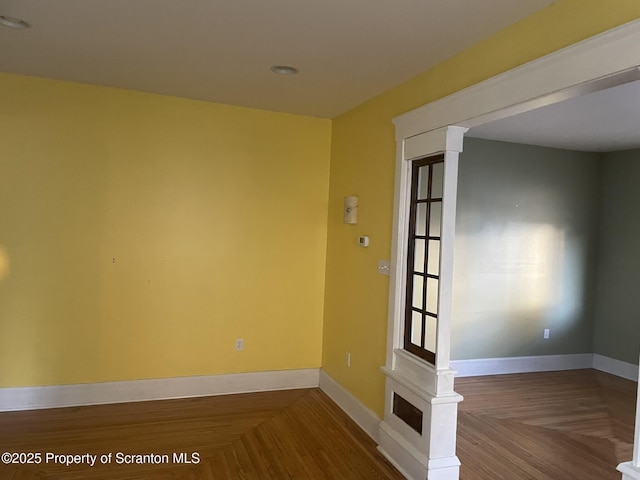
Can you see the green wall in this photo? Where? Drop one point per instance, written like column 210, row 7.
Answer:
column 525, row 250
column 546, row 238
column 617, row 313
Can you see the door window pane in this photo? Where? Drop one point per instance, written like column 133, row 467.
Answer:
column 430, row 334
column 437, row 180
column 416, row 328
column 423, row 182
column 432, row 295
column 418, row 254
column 421, row 219
column 417, row 291
column 435, row 218
column 433, row 262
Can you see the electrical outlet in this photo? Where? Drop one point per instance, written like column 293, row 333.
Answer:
column 348, row 359
column 239, row 344
column 546, row 333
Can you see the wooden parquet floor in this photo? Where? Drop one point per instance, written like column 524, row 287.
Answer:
column 545, row 426
column 542, row 426
column 295, row 434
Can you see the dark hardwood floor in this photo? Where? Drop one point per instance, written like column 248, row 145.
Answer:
column 295, row 434
column 543, row 426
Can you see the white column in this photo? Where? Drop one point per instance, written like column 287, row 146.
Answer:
column 631, row 470
column 431, row 452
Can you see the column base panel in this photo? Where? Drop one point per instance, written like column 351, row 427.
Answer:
column 413, row 464
column 629, row 472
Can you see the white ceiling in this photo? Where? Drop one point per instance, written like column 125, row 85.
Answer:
column 221, row 50
column 604, row 121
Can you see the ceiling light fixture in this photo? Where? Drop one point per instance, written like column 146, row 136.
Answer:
column 284, row 70
column 13, row 22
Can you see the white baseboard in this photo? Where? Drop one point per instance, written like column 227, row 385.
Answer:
column 615, row 367
column 544, row 363
column 365, row 418
column 501, row 366
column 31, row 398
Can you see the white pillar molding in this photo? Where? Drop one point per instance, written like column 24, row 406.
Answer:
column 430, row 454
column 631, row 470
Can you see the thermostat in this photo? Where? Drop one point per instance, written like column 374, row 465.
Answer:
column 363, row 241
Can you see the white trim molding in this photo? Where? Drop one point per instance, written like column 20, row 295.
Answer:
column 31, row 398
column 609, row 59
column 507, row 365
column 544, row 363
column 631, row 470
column 615, row 367
column 365, row 418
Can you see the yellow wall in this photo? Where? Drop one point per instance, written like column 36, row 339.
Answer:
column 362, row 163
column 215, row 216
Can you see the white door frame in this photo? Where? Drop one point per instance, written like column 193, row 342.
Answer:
column 609, row 59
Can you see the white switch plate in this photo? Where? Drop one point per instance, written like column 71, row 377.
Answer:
column 239, row 344
column 384, row 267
column 546, row 333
